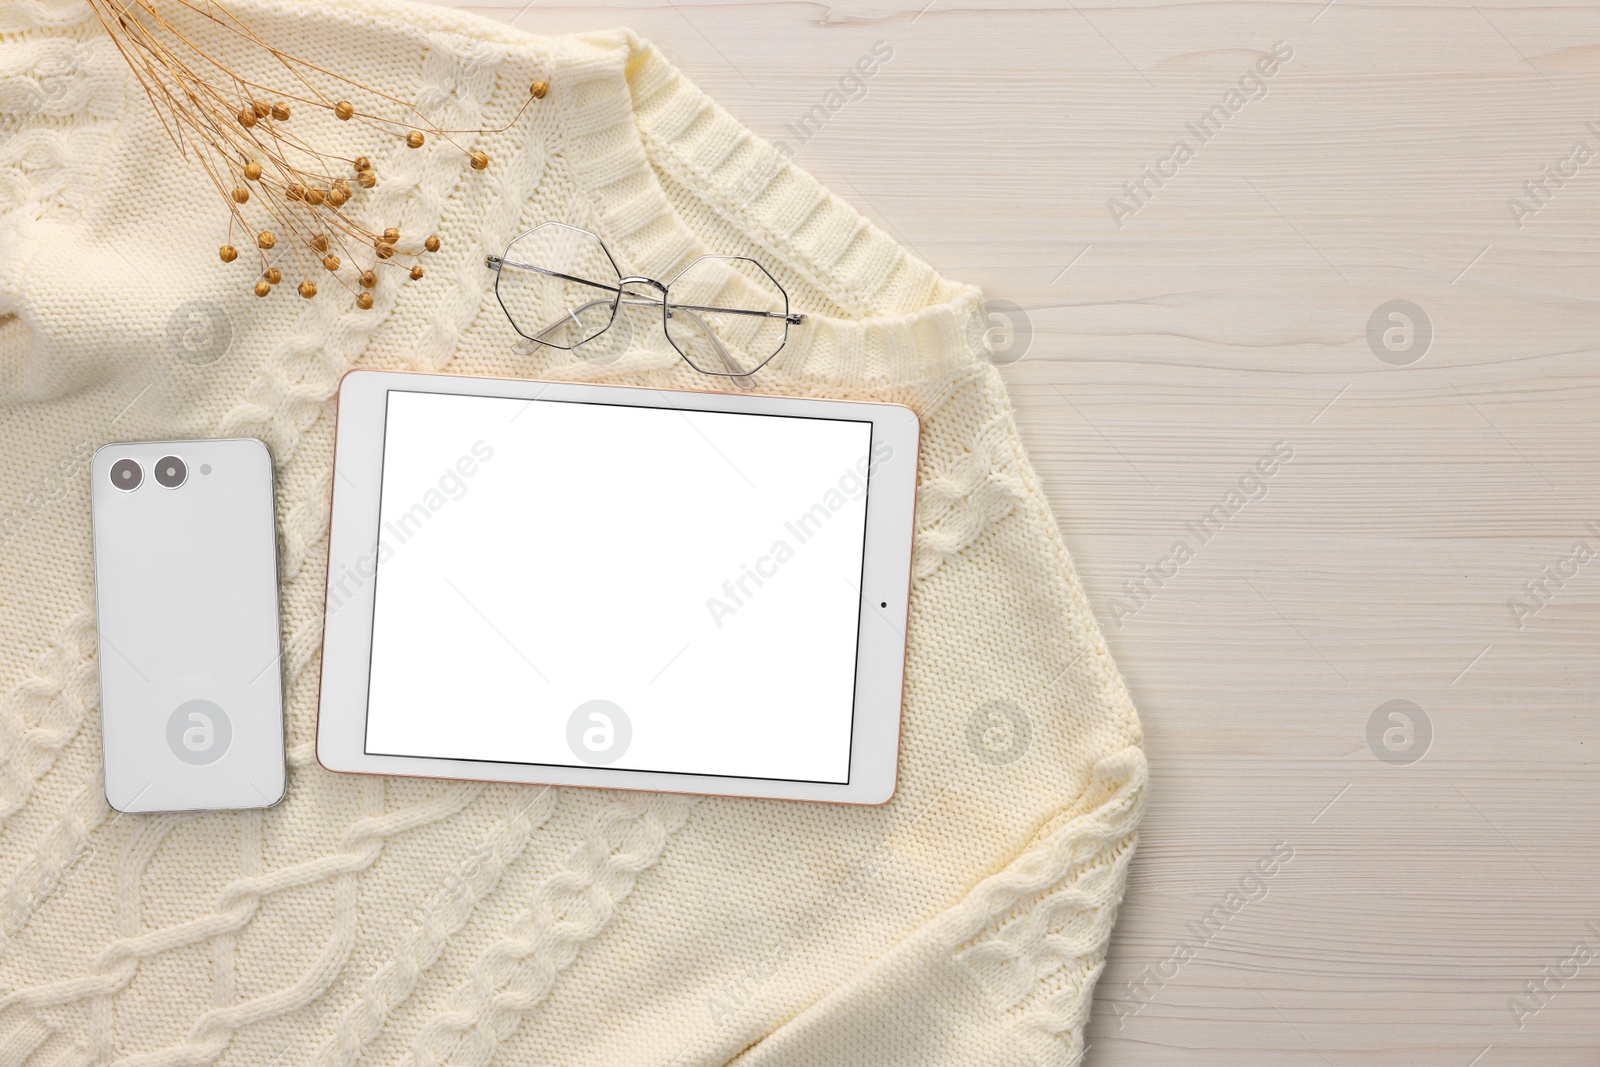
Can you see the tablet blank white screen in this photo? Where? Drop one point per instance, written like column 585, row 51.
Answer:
column 699, row 571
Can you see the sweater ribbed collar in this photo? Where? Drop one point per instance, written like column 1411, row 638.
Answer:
column 632, row 126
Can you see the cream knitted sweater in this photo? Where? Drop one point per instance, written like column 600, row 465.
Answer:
column 368, row 920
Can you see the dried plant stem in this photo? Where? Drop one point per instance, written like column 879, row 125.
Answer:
column 277, row 185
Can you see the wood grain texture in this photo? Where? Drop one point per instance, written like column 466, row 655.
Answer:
column 1226, row 315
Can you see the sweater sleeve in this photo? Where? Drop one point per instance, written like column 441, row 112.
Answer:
column 1004, row 978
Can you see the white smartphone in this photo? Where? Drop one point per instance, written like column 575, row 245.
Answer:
column 617, row 587
column 186, row 589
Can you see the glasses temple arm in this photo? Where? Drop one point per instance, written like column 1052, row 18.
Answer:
column 793, row 318
column 736, row 372
column 496, row 262
column 572, row 313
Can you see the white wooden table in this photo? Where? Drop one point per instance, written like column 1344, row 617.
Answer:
column 1431, row 477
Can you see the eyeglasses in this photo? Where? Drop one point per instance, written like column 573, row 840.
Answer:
column 560, row 287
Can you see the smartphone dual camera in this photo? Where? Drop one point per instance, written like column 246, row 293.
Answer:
column 170, row 473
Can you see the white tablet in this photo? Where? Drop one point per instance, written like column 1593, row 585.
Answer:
column 617, row 587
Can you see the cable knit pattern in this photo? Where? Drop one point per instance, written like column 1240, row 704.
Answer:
column 115, row 965
column 476, row 877
column 63, row 846
column 959, row 501
column 1035, row 934
column 367, row 920
column 569, row 908
column 21, row 15
column 59, row 98
column 44, row 712
column 304, row 371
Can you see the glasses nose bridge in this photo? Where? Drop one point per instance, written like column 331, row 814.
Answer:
column 623, row 283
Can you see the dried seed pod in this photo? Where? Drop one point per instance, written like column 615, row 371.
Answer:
column 391, row 235
column 538, row 89
column 308, row 289
column 320, row 242
column 431, row 244
column 273, row 275
column 331, row 262
column 368, row 279
column 364, row 301
column 262, row 288
column 416, row 274
column 191, row 87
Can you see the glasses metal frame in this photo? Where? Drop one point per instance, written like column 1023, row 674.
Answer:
column 623, row 295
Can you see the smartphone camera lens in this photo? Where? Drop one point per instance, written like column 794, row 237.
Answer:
column 170, row 471
column 126, row 475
